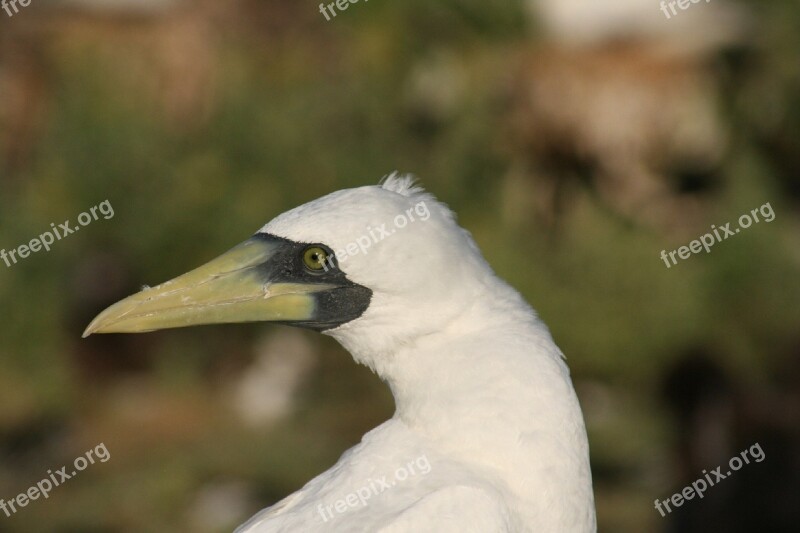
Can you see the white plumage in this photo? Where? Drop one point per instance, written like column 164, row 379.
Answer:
column 481, row 390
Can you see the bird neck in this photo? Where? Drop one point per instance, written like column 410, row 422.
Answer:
column 497, row 395
column 478, row 365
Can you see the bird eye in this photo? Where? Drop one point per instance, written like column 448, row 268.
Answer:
column 316, row 259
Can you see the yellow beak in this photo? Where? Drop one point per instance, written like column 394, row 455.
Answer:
column 242, row 285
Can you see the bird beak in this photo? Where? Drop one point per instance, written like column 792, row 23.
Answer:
column 242, row 285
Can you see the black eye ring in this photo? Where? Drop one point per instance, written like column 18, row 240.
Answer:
column 317, row 259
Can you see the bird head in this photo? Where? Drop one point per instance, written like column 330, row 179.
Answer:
column 375, row 267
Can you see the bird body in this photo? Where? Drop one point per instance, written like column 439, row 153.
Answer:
column 487, row 434
column 503, row 435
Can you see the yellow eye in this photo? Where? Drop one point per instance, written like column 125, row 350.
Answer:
column 315, row 258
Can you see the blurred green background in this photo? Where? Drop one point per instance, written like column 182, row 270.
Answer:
column 573, row 155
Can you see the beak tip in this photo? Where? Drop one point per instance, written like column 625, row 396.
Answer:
column 108, row 320
column 90, row 329
column 101, row 324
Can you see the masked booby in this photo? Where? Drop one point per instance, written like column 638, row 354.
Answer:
column 482, row 392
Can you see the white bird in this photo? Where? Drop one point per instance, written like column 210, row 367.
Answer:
column 487, row 435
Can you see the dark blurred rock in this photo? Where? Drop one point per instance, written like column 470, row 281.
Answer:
column 717, row 418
